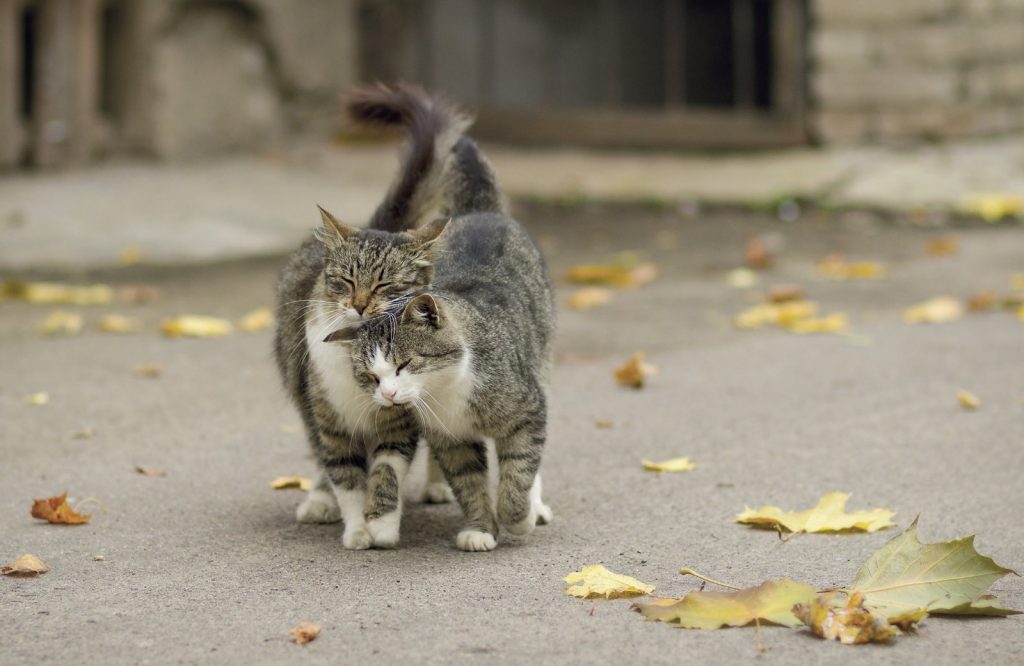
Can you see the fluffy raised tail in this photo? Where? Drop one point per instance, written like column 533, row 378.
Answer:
column 442, row 172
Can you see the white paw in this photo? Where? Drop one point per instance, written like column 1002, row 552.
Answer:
column 357, row 538
column 438, row 492
column 318, row 508
column 475, row 541
column 524, row 526
column 384, row 531
column 544, row 514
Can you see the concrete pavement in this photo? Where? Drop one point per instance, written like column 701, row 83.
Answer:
column 207, row 565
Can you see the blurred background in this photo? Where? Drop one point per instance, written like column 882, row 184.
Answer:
column 81, row 80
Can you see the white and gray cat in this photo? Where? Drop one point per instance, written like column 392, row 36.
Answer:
column 344, row 277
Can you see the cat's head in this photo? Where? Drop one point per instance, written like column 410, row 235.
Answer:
column 366, row 271
column 409, row 358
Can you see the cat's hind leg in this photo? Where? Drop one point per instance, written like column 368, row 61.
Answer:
column 544, row 513
column 465, row 466
column 519, row 504
column 320, row 505
column 437, row 490
column 383, row 509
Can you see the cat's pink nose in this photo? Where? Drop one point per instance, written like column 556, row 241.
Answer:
column 389, row 394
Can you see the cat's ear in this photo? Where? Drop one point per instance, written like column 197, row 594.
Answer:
column 428, row 234
column 423, row 310
column 343, row 335
column 334, row 228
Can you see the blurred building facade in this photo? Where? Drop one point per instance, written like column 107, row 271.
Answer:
column 81, row 79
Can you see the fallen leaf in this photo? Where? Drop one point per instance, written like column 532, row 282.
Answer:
column 40, row 398
column 56, row 293
column 151, row 371
column 257, row 320
column 62, row 322
column 940, row 247
column 983, row 301
column 26, row 565
column 771, row 601
column 84, row 433
column 785, row 294
column 943, row 578
column 138, row 294
column 98, row 558
column 635, row 371
column 129, row 256
column 304, row 633
column 850, row 623
column 595, row 581
column 835, row 267
column 757, row 255
column 149, row 471
column 283, row 482
column 968, row 400
column 836, row 322
column 741, row 278
column 673, row 465
column 624, row 273
column 938, row 310
column 994, row 207
column 828, row 516
column 56, row 510
column 590, row 297
column 604, row 425
column 115, row 323
column 796, row 316
column 196, row 326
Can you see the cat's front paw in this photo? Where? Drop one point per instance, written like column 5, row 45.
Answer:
column 385, row 530
column 358, row 538
column 438, row 492
column 318, row 508
column 475, row 541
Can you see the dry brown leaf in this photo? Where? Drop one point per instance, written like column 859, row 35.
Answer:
column 196, row 326
column 256, row 320
column 968, row 400
column 40, row 398
column 940, row 247
column 151, row 371
column 938, row 310
column 115, row 323
column 149, row 471
column 304, row 633
column 138, row 294
column 62, row 322
column 849, row 624
column 26, row 565
column 835, row 267
column 604, row 425
column 757, row 255
column 56, row 510
column 785, row 294
column 589, row 297
column 983, row 301
column 285, row 482
column 635, row 371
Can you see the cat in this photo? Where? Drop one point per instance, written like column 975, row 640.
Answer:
column 344, row 276
column 470, row 357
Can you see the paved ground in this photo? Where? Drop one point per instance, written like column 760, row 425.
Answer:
column 257, row 206
column 208, row 566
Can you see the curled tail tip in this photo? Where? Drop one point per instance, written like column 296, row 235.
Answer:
column 401, row 104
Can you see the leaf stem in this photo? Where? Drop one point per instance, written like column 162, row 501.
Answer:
column 686, row 571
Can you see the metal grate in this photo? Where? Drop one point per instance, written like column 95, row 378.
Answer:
column 650, row 73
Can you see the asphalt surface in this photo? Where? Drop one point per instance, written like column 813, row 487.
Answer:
column 207, row 565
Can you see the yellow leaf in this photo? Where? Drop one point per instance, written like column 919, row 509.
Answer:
column 596, row 581
column 283, row 482
column 40, row 398
column 828, row 516
column 994, row 207
column 741, row 278
column 621, row 274
column 604, row 424
column 771, row 601
column 939, row 247
column 849, row 624
column 26, row 565
column 833, row 323
column 938, row 310
column 115, row 323
column 152, row 371
column 257, row 320
column 129, row 256
column 1017, row 281
column 62, row 322
column 196, row 326
column 968, row 400
column 835, row 267
column 590, row 297
column 304, row 633
column 56, row 510
column 635, row 371
column 673, row 465
column 943, row 578
column 56, row 293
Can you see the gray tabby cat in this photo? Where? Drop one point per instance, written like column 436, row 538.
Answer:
column 471, row 357
column 343, row 277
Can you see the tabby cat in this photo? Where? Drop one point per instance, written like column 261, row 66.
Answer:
column 343, row 277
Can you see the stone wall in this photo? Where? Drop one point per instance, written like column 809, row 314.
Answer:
column 895, row 71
